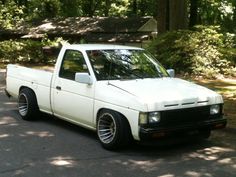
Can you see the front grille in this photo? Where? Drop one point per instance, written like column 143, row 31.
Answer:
column 184, row 116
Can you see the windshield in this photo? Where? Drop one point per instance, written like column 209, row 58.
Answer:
column 125, row 64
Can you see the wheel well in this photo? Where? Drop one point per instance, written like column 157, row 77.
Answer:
column 24, row 87
column 124, row 117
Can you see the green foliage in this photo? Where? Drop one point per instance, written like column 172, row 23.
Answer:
column 204, row 51
column 71, row 8
column 26, row 51
column 119, row 9
column 41, row 9
column 217, row 12
column 210, row 12
column 10, row 15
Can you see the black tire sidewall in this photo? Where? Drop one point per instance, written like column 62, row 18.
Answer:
column 32, row 104
column 119, row 139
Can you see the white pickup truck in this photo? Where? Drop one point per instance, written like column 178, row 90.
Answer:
column 121, row 92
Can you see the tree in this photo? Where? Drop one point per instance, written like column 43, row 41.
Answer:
column 71, row 8
column 234, row 17
column 89, row 7
column 162, row 16
column 107, row 7
column 193, row 13
column 178, row 14
column 172, row 15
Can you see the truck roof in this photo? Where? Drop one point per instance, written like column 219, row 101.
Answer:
column 99, row 47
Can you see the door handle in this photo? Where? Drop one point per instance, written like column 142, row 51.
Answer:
column 58, row 87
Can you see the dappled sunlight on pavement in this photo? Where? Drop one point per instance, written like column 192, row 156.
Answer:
column 209, row 161
column 4, row 135
column 63, row 161
column 211, row 153
column 8, row 121
column 41, row 134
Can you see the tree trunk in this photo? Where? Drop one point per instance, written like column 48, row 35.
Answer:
column 162, row 17
column 234, row 17
column 193, row 13
column 178, row 14
column 134, row 7
column 108, row 6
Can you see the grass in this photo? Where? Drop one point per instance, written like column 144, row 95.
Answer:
column 227, row 88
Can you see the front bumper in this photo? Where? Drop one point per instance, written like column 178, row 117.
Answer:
column 185, row 129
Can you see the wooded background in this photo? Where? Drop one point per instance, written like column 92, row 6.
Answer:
column 194, row 36
column 171, row 14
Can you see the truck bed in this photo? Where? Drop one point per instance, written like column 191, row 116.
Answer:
column 38, row 80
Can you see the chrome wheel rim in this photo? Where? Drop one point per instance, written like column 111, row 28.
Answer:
column 106, row 128
column 23, row 105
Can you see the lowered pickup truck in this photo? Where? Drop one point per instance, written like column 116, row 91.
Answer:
column 121, row 92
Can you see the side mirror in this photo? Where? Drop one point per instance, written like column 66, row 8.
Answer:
column 171, row 72
column 83, row 78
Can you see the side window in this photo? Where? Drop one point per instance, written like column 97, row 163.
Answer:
column 72, row 63
column 100, row 63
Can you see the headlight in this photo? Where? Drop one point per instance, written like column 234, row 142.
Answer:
column 215, row 109
column 154, row 117
column 143, row 118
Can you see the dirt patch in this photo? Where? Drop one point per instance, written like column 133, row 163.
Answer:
column 227, row 88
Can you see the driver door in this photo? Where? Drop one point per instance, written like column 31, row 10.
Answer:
column 72, row 100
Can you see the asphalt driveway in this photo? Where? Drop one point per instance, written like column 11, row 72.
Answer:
column 51, row 147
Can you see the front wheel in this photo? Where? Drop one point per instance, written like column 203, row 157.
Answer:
column 27, row 104
column 113, row 130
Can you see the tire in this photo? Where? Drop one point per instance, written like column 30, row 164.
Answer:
column 113, row 130
column 27, row 104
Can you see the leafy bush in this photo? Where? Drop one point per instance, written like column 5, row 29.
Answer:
column 202, row 51
column 10, row 15
column 26, row 51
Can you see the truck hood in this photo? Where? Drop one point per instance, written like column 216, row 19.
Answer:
column 168, row 93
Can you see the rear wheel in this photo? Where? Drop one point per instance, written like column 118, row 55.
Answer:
column 113, row 130
column 27, row 104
